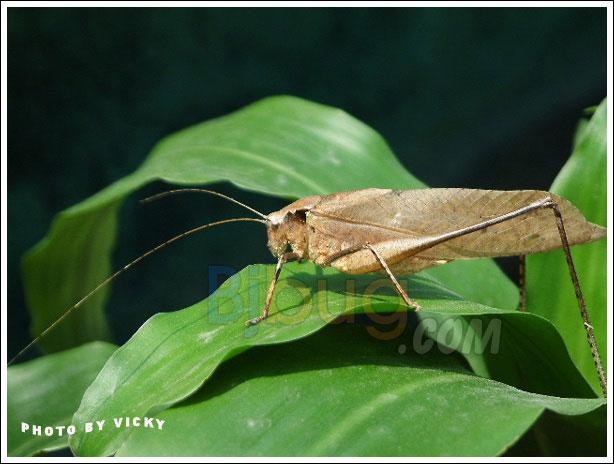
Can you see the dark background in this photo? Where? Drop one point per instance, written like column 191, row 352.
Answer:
column 466, row 97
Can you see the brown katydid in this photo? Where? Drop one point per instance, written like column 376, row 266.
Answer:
column 406, row 231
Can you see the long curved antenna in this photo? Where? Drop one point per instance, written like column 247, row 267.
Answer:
column 210, row 192
column 121, row 271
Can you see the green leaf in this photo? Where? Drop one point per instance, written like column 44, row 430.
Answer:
column 280, row 146
column 583, row 181
column 174, row 353
column 46, row 392
column 342, row 392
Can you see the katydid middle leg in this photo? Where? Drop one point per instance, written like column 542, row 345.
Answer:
column 397, row 285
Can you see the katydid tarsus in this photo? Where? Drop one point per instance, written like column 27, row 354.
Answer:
column 400, row 232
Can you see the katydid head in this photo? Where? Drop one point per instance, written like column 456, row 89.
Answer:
column 287, row 228
column 290, row 233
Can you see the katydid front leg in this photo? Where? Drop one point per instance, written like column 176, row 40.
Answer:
column 283, row 259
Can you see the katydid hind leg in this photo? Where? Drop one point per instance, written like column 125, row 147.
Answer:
column 547, row 202
column 590, row 332
column 283, row 259
column 541, row 204
column 408, row 301
column 522, row 282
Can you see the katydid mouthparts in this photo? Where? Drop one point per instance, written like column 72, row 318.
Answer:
column 405, row 231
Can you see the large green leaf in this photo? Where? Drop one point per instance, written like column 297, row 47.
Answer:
column 46, row 392
column 287, row 147
column 583, row 180
column 174, row 353
column 281, row 146
column 341, row 392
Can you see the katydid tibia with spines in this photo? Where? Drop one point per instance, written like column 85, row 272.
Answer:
column 400, row 232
